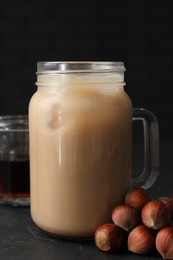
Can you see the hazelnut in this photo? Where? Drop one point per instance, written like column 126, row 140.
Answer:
column 164, row 242
column 137, row 198
column 155, row 215
column 141, row 240
column 108, row 237
column 168, row 201
column 125, row 217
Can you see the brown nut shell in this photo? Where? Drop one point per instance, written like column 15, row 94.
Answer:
column 137, row 197
column 164, row 242
column 168, row 201
column 155, row 215
column 108, row 237
column 141, row 240
column 126, row 217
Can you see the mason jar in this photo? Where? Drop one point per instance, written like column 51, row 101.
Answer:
column 80, row 126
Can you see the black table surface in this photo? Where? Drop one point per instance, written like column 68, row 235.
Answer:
column 21, row 239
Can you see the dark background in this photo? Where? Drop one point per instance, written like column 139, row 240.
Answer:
column 137, row 32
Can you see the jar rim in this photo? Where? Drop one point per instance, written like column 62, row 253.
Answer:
column 65, row 67
column 14, row 123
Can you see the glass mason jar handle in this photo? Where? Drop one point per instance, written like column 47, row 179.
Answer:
column 151, row 148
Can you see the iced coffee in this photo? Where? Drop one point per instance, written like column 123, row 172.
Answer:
column 80, row 149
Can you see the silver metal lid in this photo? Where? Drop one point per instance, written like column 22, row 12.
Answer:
column 63, row 67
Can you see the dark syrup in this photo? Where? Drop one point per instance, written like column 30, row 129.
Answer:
column 14, row 179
